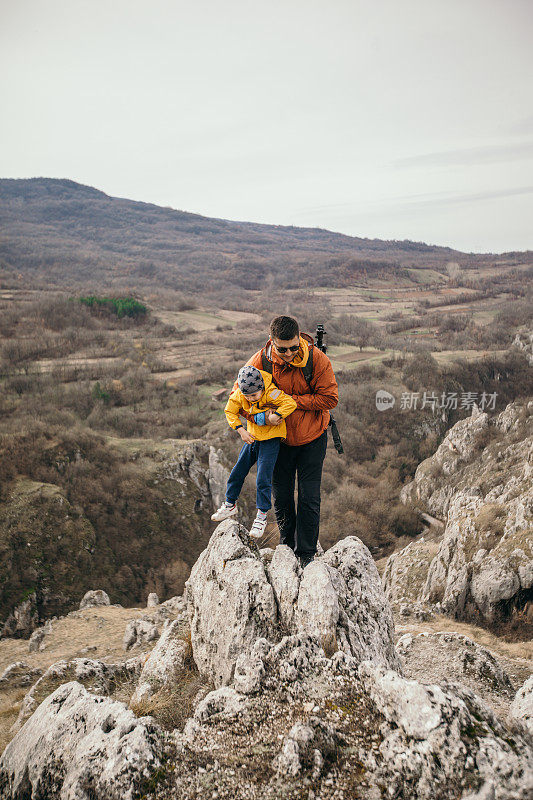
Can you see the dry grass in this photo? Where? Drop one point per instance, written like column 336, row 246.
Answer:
column 514, row 651
column 491, row 517
column 101, row 628
column 172, row 705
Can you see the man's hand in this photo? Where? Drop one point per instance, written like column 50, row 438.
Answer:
column 245, row 436
column 273, row 418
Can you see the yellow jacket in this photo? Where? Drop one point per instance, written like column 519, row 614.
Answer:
column 272, row 398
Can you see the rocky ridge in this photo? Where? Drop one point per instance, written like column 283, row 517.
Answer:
column 304, row 696
column 480, row 482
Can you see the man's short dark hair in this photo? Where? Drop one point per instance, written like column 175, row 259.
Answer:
column 284, row 328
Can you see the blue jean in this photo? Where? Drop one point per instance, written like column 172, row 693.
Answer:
column 265, row 453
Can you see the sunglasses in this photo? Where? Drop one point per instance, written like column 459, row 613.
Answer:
column 292, row 349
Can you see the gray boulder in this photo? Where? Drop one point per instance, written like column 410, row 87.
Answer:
column 97, row 677
column 443, row 741
column 230, row 602
column 164, row 663
column 78, row 746
column 522, row 705
column 139, row 632
column 235, row 598
column 95, row 597
column 365, row 627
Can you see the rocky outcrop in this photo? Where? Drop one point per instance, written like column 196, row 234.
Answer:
column 234, row 599
column 78, row 745
column 483, row 569
column 139, row 632
column 164, row 662
column 429, row 656
column 441, row 741
column 307, row 703
column 218, row 477
column 97, row 676
column 522, row 705
column 437, row 477
column 524, row 342
column 94, row 597
column 23, row 619
column 230, row 602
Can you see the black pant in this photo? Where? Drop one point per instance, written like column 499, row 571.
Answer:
column 299, row 529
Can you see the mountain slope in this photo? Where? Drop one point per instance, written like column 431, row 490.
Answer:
column 68, row 233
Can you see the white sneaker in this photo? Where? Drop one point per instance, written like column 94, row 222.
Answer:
column 258, row 528
column 224, row 512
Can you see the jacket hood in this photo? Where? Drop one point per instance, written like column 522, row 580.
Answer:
column 301, row 356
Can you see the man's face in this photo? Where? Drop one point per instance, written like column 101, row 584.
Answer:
column 288, row 355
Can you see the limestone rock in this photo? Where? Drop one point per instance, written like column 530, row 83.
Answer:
column 36, row 640
column 522, row 705
column 176, row 605
column 283, row 573
column 365, row 626
column 441, row 740
column 230, row 602
column 222, row 703
column 77, row 745
column 97, row 676
column 218, row 476
column 23, row 619
column 483, row 568
column 139, row 632
column 152, row 601
column 163, row 664
column 95, row 597
column 306, row 746
column 18, row 674
column 433, row 483
column 234, row 599
column 429, row 656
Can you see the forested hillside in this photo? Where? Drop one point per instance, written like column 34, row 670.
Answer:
column 62, row 233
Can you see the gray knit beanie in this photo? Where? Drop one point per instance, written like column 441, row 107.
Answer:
column 250, row 380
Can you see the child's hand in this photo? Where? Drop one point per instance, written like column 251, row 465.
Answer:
column 273, row 418
column 245, row 436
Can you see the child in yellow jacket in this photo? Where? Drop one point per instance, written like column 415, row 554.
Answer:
column 268, row 406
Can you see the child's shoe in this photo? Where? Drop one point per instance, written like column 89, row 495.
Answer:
column 226, row 510
column 259, row 525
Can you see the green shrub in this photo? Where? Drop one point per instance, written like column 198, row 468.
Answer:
column 121, row 306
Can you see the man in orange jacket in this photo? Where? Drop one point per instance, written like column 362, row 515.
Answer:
column 287, row 352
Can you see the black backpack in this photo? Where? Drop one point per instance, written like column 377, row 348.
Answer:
column 308, row 374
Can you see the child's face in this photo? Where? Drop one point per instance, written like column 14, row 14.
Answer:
column 253, row 398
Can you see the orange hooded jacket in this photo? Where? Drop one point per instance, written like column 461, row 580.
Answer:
column 311, row 415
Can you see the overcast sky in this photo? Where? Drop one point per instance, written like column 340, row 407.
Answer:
column 395, row 119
